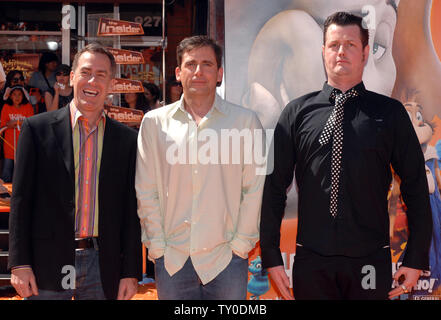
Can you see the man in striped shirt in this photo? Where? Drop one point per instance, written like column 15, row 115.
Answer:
column 74, row 231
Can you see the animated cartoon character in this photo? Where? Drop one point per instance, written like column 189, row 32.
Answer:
column 259, row 282
column 424, row 131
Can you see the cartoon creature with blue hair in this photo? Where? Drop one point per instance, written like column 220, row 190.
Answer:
column 259, row 283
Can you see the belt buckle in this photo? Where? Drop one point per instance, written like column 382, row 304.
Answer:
column 88, row 240
column 77, row 241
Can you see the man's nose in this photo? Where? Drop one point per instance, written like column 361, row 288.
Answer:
column 198, row 69
column 92, row 78
column 341, row 50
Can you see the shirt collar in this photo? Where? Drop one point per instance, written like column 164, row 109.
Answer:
column 75, row 115
column 327, row 89
column 218, row 106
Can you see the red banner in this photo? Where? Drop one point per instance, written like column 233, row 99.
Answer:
column 126, row 86
column 124, row 115
column 126, row 56
column 110, row 27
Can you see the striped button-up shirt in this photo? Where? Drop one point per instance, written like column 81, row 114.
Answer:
column 87, row 146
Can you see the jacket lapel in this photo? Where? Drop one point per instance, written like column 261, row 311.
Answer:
column 109, row 154
column 63, row 135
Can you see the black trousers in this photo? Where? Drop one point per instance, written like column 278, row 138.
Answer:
column 317, row 277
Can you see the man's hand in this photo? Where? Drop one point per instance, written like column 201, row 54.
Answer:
column 410, row 279
column 127, row 288
column 278, row 275
column 23, row 280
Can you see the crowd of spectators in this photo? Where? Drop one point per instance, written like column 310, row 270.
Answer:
column 20, row 99
column 49, row 89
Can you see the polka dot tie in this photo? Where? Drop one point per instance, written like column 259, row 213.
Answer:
column 334, row 127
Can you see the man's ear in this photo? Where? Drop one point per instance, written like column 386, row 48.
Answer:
column 220, row 74
column 178, row 74
column 71, row 78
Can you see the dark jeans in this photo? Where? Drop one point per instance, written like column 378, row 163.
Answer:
column 87, row 280
column 317, row 277
column 230, row 284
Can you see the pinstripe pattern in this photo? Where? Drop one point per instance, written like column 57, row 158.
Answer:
column 87, row 144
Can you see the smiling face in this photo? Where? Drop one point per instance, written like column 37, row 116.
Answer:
column 344, row 55
column 199, row 72
column 91, row 81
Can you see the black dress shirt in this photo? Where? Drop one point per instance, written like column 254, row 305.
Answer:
column 377, row 133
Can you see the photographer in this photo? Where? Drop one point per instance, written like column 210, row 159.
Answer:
column 62, row 93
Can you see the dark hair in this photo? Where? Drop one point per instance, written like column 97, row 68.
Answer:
column 141, row 102
column 342, row 18
column 11, row 75
column 46, row 57
column 191, row 43
column 154, row 90
column 171, row 82
column 63, row 68
column 24, row 100
column 95, row 48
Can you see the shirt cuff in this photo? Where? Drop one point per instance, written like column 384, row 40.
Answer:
column 155, row 253
column 21, row 267
column 271, row 257
column 240, row 247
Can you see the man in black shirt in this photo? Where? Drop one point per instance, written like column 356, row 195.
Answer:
column 342, row 141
